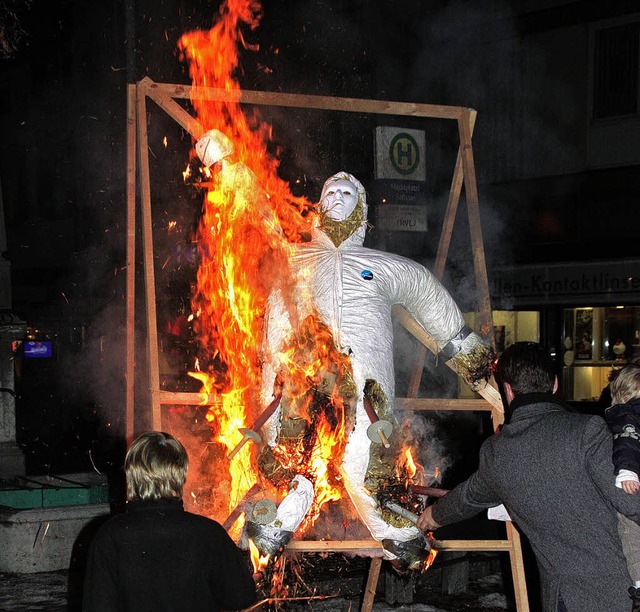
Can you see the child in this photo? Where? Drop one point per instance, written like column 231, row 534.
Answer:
column 623, row 418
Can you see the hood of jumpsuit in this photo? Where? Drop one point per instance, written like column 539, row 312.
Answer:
column 353, row 289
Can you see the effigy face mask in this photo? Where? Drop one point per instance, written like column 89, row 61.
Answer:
column 339, row 199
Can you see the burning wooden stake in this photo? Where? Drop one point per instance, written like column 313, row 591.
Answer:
column 252, row 434
column 380, row 429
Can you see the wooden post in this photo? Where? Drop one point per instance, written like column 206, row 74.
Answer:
column 517, row 569
column 149, row 272
column 473, row 211
column 452, row 205
column 372, row 583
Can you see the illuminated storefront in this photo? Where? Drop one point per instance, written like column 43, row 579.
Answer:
column 587, row 313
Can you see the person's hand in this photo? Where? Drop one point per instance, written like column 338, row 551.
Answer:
column 630, row 486
column 426, row 521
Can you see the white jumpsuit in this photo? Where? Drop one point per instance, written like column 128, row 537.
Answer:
column 353, row 289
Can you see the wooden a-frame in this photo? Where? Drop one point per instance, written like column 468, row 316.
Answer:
column 139, row 187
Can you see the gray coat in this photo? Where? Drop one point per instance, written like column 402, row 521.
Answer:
column 552, row 469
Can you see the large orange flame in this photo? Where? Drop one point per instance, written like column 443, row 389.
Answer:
column 250, row 224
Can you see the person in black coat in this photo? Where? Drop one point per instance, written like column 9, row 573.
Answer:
column 551, row 468
column 623, row 418
column 158, row 557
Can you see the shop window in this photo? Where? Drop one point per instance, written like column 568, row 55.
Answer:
column 596, row 341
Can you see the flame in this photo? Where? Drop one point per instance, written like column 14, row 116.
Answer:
column 433, row 553
column 314, row 372
column 408, row 470
column 409, row 463
column 250, row 222
column 258, row 561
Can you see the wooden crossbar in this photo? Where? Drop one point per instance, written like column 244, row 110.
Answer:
column 369, row 547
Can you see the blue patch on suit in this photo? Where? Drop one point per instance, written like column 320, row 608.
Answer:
column 367, row 274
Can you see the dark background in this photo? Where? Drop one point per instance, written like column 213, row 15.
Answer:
column 64, row 75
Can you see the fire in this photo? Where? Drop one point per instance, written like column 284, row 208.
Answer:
column 433, row 553
column 258, row 561
column 250, row 221
column 410, row 465
column 314, row 372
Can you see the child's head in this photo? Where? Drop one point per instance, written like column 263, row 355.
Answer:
column 156, row 467
column 626, row 385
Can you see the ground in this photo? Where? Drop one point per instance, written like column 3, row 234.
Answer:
column 338, row 584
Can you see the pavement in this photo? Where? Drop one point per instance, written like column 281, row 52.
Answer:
column 61, row 592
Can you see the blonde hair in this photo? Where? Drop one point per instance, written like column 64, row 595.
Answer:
column 626, row 385
column 156, row 467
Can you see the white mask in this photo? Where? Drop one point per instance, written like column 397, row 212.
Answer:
column 339, row 199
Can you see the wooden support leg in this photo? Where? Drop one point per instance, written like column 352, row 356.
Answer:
column 517, row 569
column 372, row 583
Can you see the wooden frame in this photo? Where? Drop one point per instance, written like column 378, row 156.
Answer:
column 138, row 175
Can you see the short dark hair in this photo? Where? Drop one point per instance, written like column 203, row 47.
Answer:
column 527, row 367
column 156, row 467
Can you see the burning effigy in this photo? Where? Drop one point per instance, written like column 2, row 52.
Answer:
column 293, row 314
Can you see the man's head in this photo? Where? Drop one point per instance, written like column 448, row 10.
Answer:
column 342, row 206
column 156, row 467
column 525, row 367
column 626, row 384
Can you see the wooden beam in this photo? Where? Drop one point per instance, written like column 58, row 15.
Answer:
column 188, row 399
column 452, row 206
column 475, row 227
column 334, row 546
column 271, row 98
column 172, row 108
column 474, row 545
column 517, row 569
column 369, row 546
column 412, row 326
column 454, row 405
column 149, row 272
